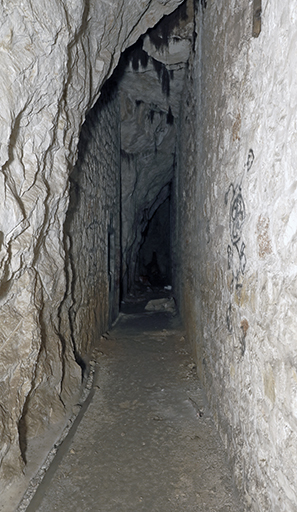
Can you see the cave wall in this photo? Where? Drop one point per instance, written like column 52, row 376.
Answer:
column 236, row 225
column 53, row 62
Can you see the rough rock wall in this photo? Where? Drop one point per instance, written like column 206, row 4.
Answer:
column 237, row 228
column 92, row 227
column 52, row 64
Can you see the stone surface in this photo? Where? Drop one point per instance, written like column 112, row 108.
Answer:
column 52, row 65
column 237, row 233
column 147, row 441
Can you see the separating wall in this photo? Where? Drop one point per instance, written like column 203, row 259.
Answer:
column 237, row 226
column 92, row 227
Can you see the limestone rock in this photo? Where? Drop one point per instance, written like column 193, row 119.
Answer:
column 163, row 304
column 53, row 62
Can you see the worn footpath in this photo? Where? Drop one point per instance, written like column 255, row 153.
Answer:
column 146, row 441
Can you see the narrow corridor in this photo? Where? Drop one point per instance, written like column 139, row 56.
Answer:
column 146, row 441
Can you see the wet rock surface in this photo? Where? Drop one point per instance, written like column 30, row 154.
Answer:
column 146, row 441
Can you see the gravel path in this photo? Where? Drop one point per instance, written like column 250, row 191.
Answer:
column 146, row 441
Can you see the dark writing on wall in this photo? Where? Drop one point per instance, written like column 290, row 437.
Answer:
column 236, row 255
column 237, row 215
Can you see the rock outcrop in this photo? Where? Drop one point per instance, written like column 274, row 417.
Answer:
column 53, row 61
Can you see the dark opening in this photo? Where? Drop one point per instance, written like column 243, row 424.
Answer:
column 154, row 260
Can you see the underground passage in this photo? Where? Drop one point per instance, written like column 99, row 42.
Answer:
column 148, row 256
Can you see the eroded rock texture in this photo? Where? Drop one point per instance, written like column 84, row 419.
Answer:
column 52, row 64
column 237, row 235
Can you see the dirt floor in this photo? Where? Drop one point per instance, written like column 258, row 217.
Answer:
column 146, row 441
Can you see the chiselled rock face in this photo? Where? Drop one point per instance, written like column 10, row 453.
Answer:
column 52, row 64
